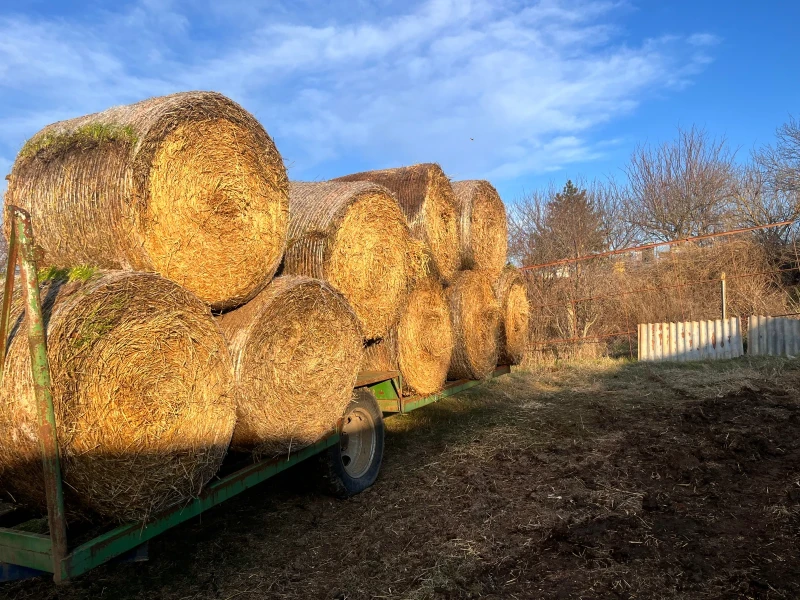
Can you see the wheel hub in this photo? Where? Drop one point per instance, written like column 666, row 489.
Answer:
column 357, row 442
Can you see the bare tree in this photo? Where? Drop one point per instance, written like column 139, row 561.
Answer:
column 612, row 201
column 757, row 201
column 781, row 161
column 682, row 187
column 525, row 222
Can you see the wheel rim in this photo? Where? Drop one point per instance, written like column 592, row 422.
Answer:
column 358, row 441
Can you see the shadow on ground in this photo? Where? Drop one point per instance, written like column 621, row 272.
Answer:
column 604, row 479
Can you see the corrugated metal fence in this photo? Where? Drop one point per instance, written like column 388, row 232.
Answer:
column 690, row 340
column 773, row 336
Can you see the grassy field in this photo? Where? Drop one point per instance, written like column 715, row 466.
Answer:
column 604, row 479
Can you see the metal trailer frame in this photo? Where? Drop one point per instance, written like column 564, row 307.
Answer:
column 24, row 554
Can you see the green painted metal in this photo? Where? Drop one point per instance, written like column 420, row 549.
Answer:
column 40, row 367
column 388, row 395
column 26, row 549
column 124, row 538
column 415, row 402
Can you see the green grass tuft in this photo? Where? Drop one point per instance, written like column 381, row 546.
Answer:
column 79, row 273
column 85, row 136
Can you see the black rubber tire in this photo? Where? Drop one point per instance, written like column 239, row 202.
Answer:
column 336, row 480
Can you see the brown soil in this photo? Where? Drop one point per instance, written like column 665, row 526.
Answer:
column 600, row 480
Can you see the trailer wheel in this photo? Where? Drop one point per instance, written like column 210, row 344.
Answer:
column 352, row 465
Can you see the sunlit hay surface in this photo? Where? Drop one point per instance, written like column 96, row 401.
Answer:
column 421, row 345
column 354, row 236
column 475, row 314
column 514, row 316
column 188, row 185
column 427, row 200
column 296, row 352
column 143, row 394
column 483, row 230
column 425, row 339
column 215, row 223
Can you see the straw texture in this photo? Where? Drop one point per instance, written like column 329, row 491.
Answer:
column 426, row 198
column 189, row 186
column 475, row 314
column 354, row 236
column 421, row 345
column 142, row 390
column 296, row 350
column 514, row 315
column 483, row 230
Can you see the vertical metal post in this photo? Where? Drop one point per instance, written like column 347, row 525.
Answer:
column 40, row 367
column 723, row 296
column 8, row 292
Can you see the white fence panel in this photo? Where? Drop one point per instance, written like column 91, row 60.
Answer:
column 773, row 336
column 693, row 340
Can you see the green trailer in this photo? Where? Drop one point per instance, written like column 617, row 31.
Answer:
column 351, row 455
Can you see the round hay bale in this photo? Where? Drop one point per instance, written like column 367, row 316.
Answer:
column 189, row 186
column 142, row 390
column 354, row 236
column 296, row 350
column 425, row 339
column 515, row 311
column 421, row 345
column 482, row 226
column 475, row 314
column 426, row 198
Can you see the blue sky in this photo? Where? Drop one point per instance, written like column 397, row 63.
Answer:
column 515, row 92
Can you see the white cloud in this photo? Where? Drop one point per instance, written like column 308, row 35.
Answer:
column 527, row 84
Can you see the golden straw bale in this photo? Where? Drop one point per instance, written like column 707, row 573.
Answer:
column 296, row 351
column 354, row 236
column 482, row 226
column 475, row 314
column 421, row 345
column 426, row 198
column 515, row 310
column 189, row 186
column 142, row 389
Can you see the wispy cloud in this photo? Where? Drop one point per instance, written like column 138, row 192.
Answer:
column 486, row 88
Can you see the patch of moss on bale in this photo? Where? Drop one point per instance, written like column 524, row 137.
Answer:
column 85, row 136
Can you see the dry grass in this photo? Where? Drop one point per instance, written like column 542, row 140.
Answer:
column 354, row 236
column 142, row 390
column 296, row 351
column 482, row 226
column 188, row 185
column 475, row 314
column 426, row 197
column 514, row 316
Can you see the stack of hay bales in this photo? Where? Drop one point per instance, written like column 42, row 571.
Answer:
column 182, row 206
column 189, row 186
column 420, row 345
column 484, row 235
